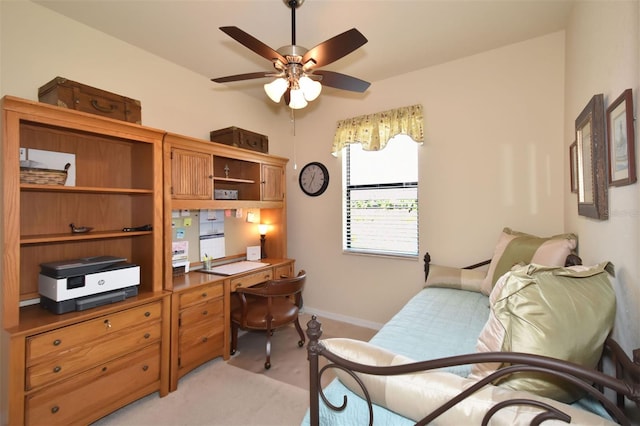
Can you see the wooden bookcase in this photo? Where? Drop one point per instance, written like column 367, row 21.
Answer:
column 118, row 184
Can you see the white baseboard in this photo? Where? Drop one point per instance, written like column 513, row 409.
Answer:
column 343, row 318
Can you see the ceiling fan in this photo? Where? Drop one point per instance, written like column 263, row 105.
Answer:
column 296, row 75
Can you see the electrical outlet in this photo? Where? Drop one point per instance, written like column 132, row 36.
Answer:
column 23, row 154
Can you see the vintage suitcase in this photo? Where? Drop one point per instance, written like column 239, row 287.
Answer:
column 241, row 138
column 78, row 96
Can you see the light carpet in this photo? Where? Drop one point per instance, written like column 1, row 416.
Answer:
column 217, row 393
column 288, row 361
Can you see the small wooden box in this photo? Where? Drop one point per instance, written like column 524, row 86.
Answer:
column 78, row 96
column 241, row 138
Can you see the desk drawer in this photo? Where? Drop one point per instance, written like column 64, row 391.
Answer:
column 79, row 358
column 251, row 279
column 201, row 294
column 61, row 340
column 85, row 395
column 202, row 312
column 201, row 343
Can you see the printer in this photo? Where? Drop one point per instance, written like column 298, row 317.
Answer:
column 84, row 283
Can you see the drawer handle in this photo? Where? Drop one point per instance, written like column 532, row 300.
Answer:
column 94, row 103
column 57, row 342
column 104, row 369
column 107, row 324
column 147, row 335
column 57, row 369
column 205, row 313
column 145, row 367
column 55, row 409
column 147, row 314
column 204, row 294
column 204, row 339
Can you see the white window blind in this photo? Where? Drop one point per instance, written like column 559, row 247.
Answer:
column 380, row 203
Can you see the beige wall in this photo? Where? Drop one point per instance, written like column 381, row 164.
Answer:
column 492, row 157
column 603, row 50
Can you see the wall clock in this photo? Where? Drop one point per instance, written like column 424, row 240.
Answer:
column 314, row 179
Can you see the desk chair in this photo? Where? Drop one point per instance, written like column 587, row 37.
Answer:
column 268, row 306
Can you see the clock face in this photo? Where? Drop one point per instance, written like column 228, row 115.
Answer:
column 314, row 179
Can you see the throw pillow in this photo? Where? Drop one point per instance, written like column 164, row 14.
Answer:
column 515, row 248
column 416, row 395
column 563, row 313
column 458, row 278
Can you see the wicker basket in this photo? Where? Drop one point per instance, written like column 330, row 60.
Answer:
column 43, row 176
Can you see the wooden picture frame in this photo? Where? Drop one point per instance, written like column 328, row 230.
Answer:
column 621, row 140
column 592, row 159
column 573, row 162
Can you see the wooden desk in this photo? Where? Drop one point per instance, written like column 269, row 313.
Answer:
column 200, row 314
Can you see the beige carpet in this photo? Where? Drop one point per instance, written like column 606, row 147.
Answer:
column 241, row 391
column 288, row 361
column 217, row 393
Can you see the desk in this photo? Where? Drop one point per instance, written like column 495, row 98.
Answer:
column 200, row 314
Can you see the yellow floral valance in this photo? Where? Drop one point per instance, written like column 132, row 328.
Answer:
column 373, row 131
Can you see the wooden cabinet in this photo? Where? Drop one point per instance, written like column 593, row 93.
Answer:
column 199, row 324
column 191, row 175
column 272, row 182
column 118, row 184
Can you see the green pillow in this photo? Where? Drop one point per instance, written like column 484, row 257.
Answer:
column 563, row 313
column 517, row 248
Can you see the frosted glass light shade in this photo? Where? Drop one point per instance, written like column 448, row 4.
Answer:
column 263, row 228
column 310, row 88
column 297, row 99
column 276, row 89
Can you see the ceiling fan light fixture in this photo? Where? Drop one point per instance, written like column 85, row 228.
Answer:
column 276, row 89
column 297, row 100
column 310, row 88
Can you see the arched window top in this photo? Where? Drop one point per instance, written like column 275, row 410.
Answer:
column 373, row 131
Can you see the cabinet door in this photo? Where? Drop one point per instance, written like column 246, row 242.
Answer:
column 191, row 175
column 272, row 183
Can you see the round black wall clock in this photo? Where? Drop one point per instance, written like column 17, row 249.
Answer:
column 314, row 179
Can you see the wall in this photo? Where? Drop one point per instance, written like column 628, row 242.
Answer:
column 492, row 158
column 603, row 50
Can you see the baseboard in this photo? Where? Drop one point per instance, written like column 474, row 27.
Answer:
column 343, row 318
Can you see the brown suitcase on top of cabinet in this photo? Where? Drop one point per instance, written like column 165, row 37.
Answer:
column 78, row 96
column 241, row 138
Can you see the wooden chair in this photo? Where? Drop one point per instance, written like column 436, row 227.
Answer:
column 267, row 307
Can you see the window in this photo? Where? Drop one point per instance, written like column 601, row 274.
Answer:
column 380, row 203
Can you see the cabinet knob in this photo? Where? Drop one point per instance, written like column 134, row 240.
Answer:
column 104, row 369
column 55, row 409
column 57, row 342
column 204, row 339
column 107, row 324
column 204, row 294
column 147, row 314
column 57, row 369
column 147, row 335
column 205, row 312
column 145, row 367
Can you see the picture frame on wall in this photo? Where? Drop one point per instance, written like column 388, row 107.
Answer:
column 573, row 163
column 621, row 140
column 592, row 156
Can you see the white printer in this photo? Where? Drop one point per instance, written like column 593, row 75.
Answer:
column 79, row 284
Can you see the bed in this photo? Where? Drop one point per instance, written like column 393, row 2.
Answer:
column 429, row 363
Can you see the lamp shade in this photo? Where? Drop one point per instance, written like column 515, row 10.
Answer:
column 276, row 89
column 297, row 99
column 262, row 229
column 310, row 88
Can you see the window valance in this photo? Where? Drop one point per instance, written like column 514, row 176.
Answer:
column 373, row 131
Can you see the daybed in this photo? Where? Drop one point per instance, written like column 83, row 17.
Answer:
column 506, row 344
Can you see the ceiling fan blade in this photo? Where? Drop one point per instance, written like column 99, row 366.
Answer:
column 239, row 77
column 335, row 48
column 253, row 43
column 342, row 81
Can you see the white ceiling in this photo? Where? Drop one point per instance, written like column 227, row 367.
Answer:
column 403, row 35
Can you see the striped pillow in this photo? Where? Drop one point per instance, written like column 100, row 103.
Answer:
column 517, row 248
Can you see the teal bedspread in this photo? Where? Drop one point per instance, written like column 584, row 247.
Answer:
column 435, row 323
